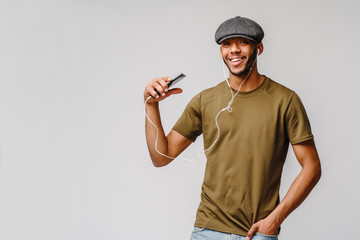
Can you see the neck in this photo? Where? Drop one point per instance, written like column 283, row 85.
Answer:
column 253, row 80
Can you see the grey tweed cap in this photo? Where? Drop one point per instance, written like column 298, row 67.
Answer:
column 239, row 27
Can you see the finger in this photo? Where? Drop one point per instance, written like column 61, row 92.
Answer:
column 251, row 232
column 160, row 90
column 164, row 85
column 167, row 79
column 170, row 92
column 151, row 91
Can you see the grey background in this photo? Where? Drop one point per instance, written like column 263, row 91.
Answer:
column 73, row 157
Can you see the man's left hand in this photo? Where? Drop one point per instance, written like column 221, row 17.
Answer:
column 264, row 226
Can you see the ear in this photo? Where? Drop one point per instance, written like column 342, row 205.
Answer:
column 260, row 48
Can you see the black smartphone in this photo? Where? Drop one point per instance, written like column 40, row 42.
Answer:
column 174, row 81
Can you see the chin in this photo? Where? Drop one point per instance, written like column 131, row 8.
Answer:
column 239, row 73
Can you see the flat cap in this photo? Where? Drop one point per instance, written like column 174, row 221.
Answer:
column 239, row 27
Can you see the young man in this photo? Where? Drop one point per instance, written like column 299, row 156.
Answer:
column 258, row 119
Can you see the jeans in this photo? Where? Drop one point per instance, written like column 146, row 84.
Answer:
column 208, row 234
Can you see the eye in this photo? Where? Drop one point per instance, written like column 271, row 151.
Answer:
column 225, row 43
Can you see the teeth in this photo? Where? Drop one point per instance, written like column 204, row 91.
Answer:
column 235, row 60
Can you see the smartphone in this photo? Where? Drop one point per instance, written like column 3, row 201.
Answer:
column 174, row 81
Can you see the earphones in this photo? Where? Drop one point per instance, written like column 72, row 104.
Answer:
column 228, row 108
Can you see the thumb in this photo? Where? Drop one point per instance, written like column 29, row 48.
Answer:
column 252, row 231
column 174, row 91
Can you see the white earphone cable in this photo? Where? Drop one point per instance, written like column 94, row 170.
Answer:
column 228, row 107
column 229, row 103
column 157, row 135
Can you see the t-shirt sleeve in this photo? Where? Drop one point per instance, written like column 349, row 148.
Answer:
column 296, row 120
column 189, row 123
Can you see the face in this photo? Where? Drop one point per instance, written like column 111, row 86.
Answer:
column 238, row 54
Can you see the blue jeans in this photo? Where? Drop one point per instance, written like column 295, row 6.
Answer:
column 208, row 234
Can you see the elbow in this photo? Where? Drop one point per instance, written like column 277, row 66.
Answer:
column 317, row 172
column 313, row 172
column 160, row 162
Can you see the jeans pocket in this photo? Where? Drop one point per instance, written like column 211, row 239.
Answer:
column 197, row 229
column 261, row 236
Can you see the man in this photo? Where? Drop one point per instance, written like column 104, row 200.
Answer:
column 240, row 192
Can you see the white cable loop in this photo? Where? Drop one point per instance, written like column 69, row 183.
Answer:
column 229, row 103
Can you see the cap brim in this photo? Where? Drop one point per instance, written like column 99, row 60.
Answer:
column 236, row 36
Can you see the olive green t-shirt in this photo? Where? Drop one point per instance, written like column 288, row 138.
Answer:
column 243, row 169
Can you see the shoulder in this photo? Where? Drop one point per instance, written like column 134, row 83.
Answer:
column 278, row 92
column 278, row 88
column 206, row 96
column 284, row 96
column 210, row 94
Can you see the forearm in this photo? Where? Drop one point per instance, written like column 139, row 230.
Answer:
column 155, row 91
column 152, row 111
column 297, row 193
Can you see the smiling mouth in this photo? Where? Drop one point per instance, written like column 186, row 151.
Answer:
column 237, row 60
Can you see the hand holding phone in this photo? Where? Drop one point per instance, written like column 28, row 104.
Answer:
column 158, row 88
column 173, row 81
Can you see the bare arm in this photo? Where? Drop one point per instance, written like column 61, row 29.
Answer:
column 308, row 158
column 172, row 144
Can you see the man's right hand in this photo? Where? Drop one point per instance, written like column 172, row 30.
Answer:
column 160, row 84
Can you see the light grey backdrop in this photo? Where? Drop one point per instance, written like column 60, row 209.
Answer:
column 74, row 163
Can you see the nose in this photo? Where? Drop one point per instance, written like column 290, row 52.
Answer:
column 235, row 48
